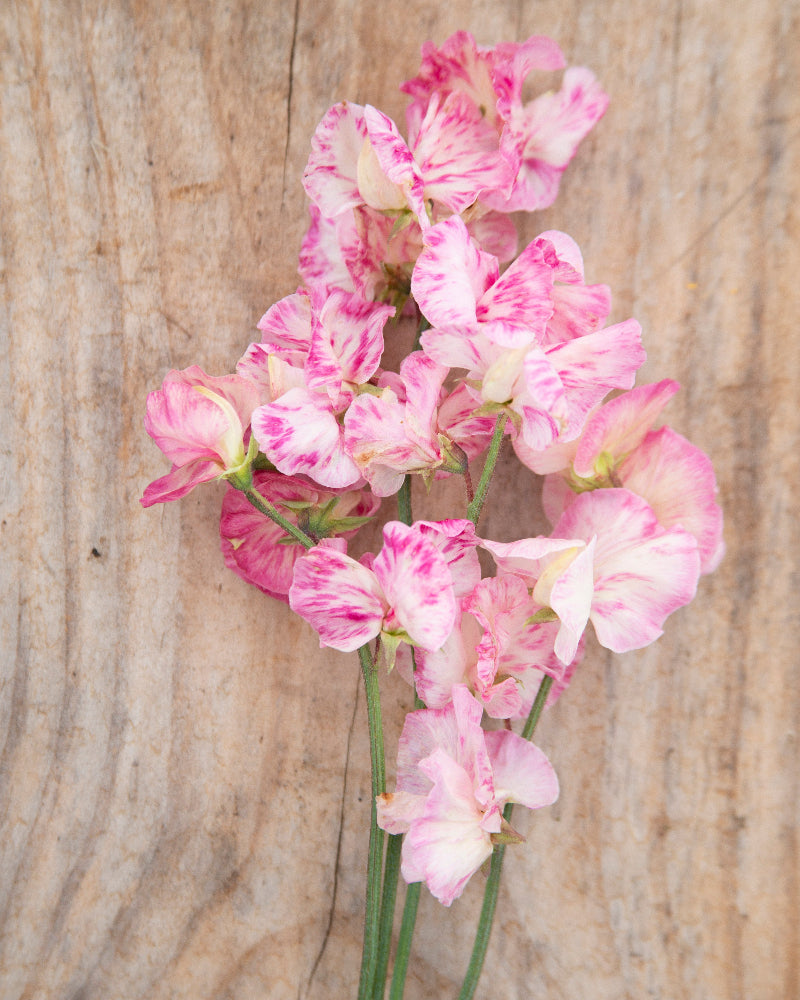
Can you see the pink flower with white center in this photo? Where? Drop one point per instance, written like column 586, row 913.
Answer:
column 359, row 158
column 497, row 329
column 200, row 422
column 618, row 449
column 259, row 550
column 406, row 596
column 614, row 556
column 453, row 780
column 559, row 573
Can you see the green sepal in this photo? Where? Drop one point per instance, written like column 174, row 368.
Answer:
column 541, row 616
column 507, row 834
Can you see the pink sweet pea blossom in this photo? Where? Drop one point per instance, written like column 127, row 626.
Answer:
column 407, row 595
column 338, row 338
column 453, row 780
column 200, row 422
column 610, row 561
column 538, row 138
column 618, row 449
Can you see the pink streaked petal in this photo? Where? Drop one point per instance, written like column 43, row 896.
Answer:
column 376, row 437
column 457, row 348
column 440, row 670
column 520, row 300
column 563, row 255
column 554, row 124
column 536, row 186
column 590, row 366
column 416, row 581
column 397, row 161
column 571, row 598
column 286, row 327
column 457, row 419
column 253, row 546
column 642, row 572
column 185, row 424
column 621, row 424
column 523, row 557
column 330, row 178
column 457, row 65
column 577, row 310
column 677, row 480
column 513, row 63
column 522, row 772
column 338, row 597
column 456, row 540
column 179, row 481
column 347, row 340
column 458, row 153
column 299, row 433
column 552, row 458
column 451, row 275
column 322, row 256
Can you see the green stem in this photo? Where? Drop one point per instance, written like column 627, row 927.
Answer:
column 475, row 508
column 391, row 872
column 404, row 941
column 268, row 510
column 493, row 882
column 369, row 957
column 404, row 502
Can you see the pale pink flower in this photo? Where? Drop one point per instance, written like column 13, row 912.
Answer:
column 453, row 780
column 617, row 448
column 407, row 595
column 260, row 551
column 200, row 422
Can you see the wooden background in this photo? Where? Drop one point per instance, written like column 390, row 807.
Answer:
column 183, row 773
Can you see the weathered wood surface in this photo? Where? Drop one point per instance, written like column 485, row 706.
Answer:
column 183, row 777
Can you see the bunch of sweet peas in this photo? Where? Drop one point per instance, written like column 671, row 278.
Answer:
column 311, row 433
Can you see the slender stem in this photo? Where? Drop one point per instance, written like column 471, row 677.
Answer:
column 475, row 508
column 404, row 941
column 391, row 871
column 369, row 957
column 268, row 510
column 404, row 502
column 493, row 882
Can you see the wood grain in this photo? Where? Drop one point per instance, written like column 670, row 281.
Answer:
column 183, row 773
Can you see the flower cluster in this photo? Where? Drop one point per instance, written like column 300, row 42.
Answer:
column 314, row 432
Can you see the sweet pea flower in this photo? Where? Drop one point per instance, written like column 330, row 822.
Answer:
column 453, row 779
column 200, row 422
column 406, row 596
column 617, row 448
column 611, row 562
column 338, row 337
column 539, row 138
